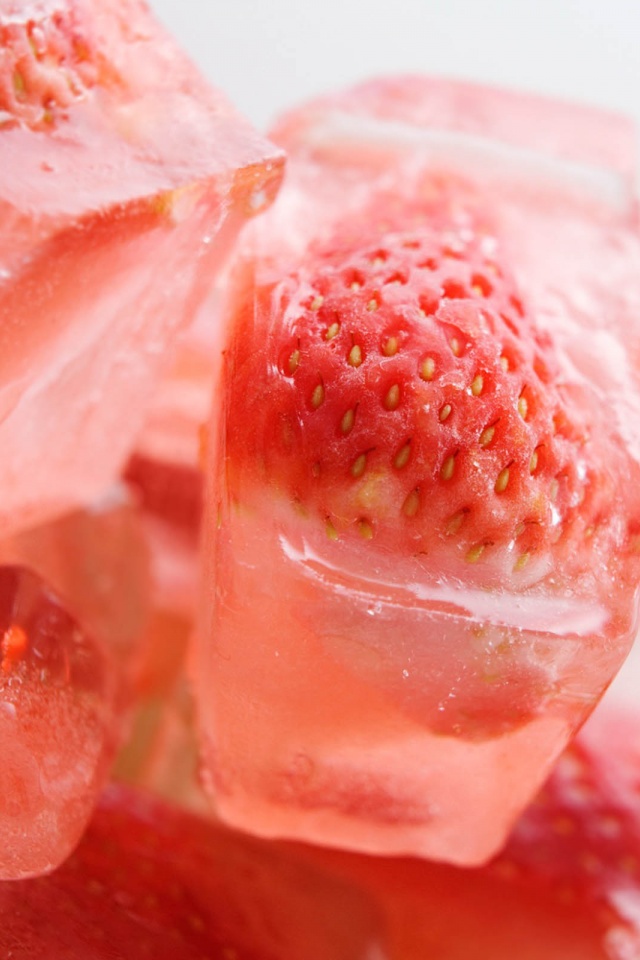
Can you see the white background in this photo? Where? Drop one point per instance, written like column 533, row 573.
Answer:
column 268, row 54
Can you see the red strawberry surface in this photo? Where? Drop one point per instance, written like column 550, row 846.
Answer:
column 151, row 881
column 404, row 395
column 580, row 840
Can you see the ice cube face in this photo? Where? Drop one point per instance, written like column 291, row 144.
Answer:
column 356, row 699
column 134, row 179
column 563, row 886
column 172, row 432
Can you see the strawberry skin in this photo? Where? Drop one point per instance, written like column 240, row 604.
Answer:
column 151, row 881
column 581, row 838
column 404, row 396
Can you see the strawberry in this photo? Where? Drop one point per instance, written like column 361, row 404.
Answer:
column 582, row 835
column 580, row 841
column 404, row 396
column 152, row 881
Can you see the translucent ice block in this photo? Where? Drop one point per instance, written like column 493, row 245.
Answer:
column 123, row 180
column 57, row 693
column 171, row 437
column 97, row 560
column 347, row 694
column 74, row 608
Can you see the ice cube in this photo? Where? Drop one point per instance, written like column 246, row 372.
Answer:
column 161, row 753
column 566, row 885
column 97, row 560
column 394, row 664
column 57, row 693
column 123, row 181
column 172, row 434
column 74, row 611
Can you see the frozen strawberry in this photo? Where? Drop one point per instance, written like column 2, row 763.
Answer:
column 406, row 397
column 134, row 180
column 149, row 880
column 422, row 509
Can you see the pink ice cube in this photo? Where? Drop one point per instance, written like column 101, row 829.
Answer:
column 351, row 694
column 56, row 713
column 73, row 611
column 123, row 180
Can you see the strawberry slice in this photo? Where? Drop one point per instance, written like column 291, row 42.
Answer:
column 149, row 880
